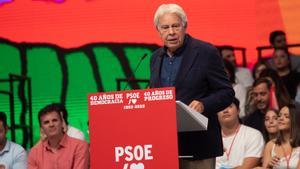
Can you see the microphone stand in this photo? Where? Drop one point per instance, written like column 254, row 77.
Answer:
column 136, row 68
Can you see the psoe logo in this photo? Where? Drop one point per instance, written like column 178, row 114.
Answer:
column 133, row 156
column 133, row 99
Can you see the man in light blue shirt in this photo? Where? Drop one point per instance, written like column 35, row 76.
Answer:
column 12, row 156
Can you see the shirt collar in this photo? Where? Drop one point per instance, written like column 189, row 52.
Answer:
column 181, row 48
column 6, row 148
column 62, row 143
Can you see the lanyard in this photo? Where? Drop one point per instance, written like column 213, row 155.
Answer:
column 232, row 142
column 287, row 157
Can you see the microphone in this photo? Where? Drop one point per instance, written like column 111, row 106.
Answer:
column 157, row 59
column 136, row 68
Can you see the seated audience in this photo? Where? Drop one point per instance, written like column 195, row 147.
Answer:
column 277, row 40
column 243, row 75
column 239, row 90
column 12, row 155
column 284, row 150
column 279, row 94
column 271, row 125
column 258, row 68
column 261, row 97
column 290, row 78
column 243, row 145
column 58, row 150
column 70, row 130
column 249, row 102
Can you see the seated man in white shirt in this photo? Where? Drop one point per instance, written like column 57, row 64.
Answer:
column 243, row 145
column 12, row 156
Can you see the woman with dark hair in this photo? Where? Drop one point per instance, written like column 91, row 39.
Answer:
column 279, row 94
column 270, row 131
column 284, row 151
column 258, row 68
column 290, row 78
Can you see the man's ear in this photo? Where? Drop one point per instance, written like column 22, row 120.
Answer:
column 42, row 130
column 185, row 26
column 64, row 124
column 6, row 128
column 238, row 112
column 156, row 27
column 43, row 135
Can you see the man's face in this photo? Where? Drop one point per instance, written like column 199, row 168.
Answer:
column 3, row 131
column 279, row 41
column 228, row 115
column 261, row 95
column 52, row 124
column 171, row 31
column 229, row 56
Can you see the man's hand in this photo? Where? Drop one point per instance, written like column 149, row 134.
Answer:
column 196, row 105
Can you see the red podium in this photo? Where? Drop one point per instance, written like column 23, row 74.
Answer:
column 133, row 129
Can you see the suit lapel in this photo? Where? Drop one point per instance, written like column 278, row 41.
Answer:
column 156, row 70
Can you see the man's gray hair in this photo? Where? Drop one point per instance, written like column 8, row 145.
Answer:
column 170, row 8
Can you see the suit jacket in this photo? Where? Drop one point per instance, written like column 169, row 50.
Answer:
column 201, row 77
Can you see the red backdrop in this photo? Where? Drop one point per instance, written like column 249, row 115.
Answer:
column 77, row 22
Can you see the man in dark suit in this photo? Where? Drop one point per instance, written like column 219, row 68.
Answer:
column 196, row 70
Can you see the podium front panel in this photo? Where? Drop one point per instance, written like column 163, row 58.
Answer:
column 133, row 129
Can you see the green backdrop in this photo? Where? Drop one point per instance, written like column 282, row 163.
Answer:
column 68, row 75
